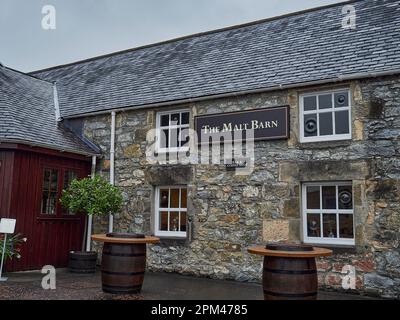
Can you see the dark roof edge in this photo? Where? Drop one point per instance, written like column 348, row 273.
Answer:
column 46, row 146
column 242, row 25
column 338, row 79
column 81, row 137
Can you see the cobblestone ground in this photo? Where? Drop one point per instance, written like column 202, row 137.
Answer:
column 162, row 286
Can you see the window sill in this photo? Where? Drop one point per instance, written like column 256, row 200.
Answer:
column 59, row 218
column 325, row 144
column 337, row 248
column 174, row 235
column 167, row 151
column 172, row 238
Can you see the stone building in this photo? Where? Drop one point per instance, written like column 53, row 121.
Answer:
column 332, row 180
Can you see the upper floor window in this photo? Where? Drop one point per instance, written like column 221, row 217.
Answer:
column 325, row 116
column 173, row 131
column 328, row 212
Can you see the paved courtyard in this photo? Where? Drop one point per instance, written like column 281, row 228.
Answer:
column 157, row 286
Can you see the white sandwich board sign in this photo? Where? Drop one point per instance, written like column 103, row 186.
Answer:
column 7, row 226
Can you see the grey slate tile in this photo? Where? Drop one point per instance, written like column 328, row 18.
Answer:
column 288, row 50
column 27, row 114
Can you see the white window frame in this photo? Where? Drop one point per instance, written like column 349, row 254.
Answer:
column 168, row 234
column 333, row 137
column 159, row 129
column 337, row 211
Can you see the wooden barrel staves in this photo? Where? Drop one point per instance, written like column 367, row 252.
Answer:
column 123, row 265
column 82, row 262
column 288, row 278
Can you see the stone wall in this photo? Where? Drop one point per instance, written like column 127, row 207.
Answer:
column 229, row 213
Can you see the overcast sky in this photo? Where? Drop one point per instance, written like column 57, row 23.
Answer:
column 88, row 28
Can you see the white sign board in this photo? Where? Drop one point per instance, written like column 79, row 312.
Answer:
column 7, row 225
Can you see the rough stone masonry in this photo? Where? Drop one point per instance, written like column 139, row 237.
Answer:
column 230, row 213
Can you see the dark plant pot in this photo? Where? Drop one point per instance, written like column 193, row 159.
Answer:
column 82, row 262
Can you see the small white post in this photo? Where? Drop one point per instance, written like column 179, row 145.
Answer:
column 2, row 258
column 6, row 226
column 90, row 217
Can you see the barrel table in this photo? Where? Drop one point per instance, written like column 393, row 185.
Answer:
column 123, row 261
column 290, row 271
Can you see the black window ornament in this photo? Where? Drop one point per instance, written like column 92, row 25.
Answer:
column 341, row 99
column 345, row 198
column 311, row 126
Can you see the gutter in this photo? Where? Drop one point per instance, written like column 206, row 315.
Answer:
column 112, row 158
column 339, row 78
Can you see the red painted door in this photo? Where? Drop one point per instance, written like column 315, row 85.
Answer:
column 60, row 230
column 51, row 231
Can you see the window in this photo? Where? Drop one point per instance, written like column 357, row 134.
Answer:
column 173, row 131
column 171, row 211
column 49, row 191
column 328, row 213
column 54, row 181
column 69, row 175
column 325, row 116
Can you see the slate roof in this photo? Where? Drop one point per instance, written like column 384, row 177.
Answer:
column 293, row 49
column 28, row 114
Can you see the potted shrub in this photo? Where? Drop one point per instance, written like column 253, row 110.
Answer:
column 92, row 196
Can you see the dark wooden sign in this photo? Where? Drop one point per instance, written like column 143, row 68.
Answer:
column 236, row 163
column 267, row 123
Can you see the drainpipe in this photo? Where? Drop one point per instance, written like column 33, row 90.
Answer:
column 112, row 153
column 90, row 217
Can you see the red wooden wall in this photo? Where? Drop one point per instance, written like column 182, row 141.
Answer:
column 6, row 169
column 49, row 238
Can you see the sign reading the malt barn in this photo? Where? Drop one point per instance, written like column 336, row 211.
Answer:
column 262, row 124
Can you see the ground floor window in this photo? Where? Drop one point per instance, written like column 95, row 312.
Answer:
column 54, row 181
column 328, row 213
column 49, row 191
column 171, row 211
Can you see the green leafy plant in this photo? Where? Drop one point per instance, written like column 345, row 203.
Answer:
column 92, row 196
column 13, row 246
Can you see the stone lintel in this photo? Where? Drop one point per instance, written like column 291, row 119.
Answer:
column 291, row 172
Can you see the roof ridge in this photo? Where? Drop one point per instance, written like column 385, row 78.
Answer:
column 237, row 26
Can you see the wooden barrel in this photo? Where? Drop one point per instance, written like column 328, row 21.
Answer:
column 82, row 262
column 288, row 278
column 123, row 265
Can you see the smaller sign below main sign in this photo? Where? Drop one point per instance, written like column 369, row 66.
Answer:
column 265, row 124
column 237, row 163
